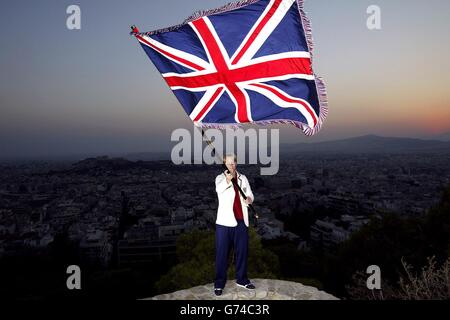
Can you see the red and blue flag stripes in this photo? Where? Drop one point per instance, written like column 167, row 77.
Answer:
column 248, row 62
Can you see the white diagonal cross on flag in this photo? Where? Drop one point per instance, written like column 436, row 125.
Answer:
column 241, row 72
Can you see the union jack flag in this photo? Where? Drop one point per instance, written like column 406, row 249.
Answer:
column 247, row 62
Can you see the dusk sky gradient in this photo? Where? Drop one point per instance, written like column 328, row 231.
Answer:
column 94, row 90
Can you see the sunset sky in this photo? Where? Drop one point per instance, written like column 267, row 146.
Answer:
column 95, row 91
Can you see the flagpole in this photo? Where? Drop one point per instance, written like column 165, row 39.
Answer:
column 134, row 31
column 233, row 180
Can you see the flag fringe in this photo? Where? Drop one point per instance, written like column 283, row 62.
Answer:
column 320, row 84
column 307, row 30
column 235, row 126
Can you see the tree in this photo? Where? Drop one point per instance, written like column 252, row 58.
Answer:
column 431, row 283
column 196, row 256
column 391, row 241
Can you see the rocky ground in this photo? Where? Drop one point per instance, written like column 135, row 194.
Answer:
column 266, row 289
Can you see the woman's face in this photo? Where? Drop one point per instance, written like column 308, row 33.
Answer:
column 231, row 164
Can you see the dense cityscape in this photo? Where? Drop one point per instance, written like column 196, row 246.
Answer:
column 123, row 212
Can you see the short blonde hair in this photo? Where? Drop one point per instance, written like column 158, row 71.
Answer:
column 229, row 155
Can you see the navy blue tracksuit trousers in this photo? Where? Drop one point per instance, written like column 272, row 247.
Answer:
column 227, row 237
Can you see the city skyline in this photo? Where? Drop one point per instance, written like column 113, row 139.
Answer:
column 110, row 214
column 94, row 91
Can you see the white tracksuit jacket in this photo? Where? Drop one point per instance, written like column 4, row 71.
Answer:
column 225, row 192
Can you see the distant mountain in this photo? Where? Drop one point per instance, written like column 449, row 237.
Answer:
column 370, row 144
column 443, row 137
column 362, row 144
column 95, row 165
column 147, row 156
